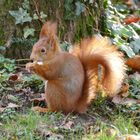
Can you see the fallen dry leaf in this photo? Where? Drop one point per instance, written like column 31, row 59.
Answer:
column 131, row 19
column 132, row 137
column 69, row 125
column 124, row 90
column 37, row 101
column 111, row 132
column 134, row 62
column 47, row 134
column 13, row 77
column 124, row 101
column 18, row 77
column 12, row 105
column 2, row 109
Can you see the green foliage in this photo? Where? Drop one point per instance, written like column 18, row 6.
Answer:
column 28, row 32
column 74, row 9
column 69, row 10
column 86, row 20
column 42, row 16
column 80, row 7
column 8, row 114
column 23, row 16
column 2, row 48
column 135, row 45
column 85, row 17
column 65, row 46
column 134, row 89
column 125, row 36
column 26, row 4
column 34, row 82
column 23, row 42
column 6, row 65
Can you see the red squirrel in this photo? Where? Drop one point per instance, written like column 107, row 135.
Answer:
column 71, row 78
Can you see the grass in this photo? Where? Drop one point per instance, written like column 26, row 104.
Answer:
column 121, row 127
column 35, row 126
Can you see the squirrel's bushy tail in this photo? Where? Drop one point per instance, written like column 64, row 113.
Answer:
column 95, row 53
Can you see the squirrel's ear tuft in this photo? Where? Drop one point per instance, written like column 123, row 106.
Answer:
column 49, row 28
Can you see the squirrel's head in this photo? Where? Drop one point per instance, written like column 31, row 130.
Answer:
column 47, row 45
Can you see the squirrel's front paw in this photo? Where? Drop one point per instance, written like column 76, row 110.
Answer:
column 30, row 67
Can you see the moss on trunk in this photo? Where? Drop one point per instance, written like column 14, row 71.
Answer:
column 71, row 27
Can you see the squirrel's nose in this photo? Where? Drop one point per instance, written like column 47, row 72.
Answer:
column 31, row 60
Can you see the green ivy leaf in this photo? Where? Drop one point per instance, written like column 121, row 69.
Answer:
column 123, row 46
column 80, row 7
column 136, row 26
column 135, row 45
column 28, row 32
column 35, row 16
column 134, row 83
column 126, row 32
column 121, row 8
column 9, row 67
column 2, row 48
column 65, row 46
column 21, row 16
column 42, row 15
column 128, row 51
column 26, row 4
column 2, row 71
column 69, row 13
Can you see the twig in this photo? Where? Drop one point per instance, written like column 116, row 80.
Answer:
column 26, row 59
column 66, row 118
column 20, row 65
column 37, row 11
column 91, row 116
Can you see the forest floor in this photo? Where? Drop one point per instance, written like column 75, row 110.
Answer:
column 104, row 120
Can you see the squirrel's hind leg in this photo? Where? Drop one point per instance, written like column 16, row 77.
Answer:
column 40, row 109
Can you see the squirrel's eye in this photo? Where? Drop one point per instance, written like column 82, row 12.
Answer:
column 43, row 50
